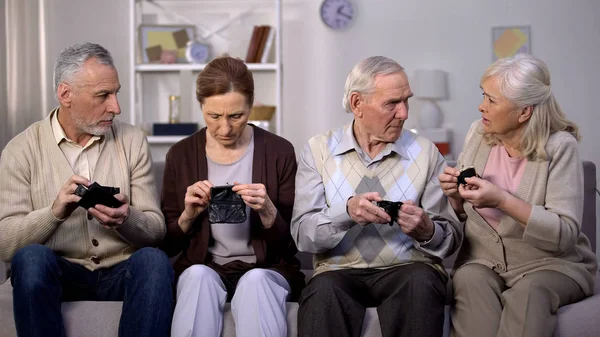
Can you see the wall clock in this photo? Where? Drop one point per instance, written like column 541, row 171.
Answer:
column 337, row 14
column 196, row 52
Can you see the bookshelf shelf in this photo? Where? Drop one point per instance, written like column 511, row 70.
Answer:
column 164, row 139
column 198, row 67
column 226, row 26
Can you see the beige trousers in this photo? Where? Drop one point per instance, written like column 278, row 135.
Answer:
column 485, row 306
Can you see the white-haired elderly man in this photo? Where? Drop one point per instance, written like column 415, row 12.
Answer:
column 363, row 256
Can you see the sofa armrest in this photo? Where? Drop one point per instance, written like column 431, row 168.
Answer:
column 588, row 224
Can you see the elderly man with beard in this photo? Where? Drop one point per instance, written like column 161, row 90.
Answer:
column 62, row 252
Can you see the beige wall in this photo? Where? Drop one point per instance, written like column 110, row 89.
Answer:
column 104, row 22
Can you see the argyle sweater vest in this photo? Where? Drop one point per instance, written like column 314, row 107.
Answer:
column 395, row 178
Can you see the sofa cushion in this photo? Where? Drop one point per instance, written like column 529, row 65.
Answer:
column 91, row 319
column 7, row 323
column 580, row 319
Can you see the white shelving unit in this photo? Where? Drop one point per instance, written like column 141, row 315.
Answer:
column 228, row 25
column 198, row 67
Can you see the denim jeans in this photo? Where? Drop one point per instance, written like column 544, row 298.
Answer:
column 41, row 280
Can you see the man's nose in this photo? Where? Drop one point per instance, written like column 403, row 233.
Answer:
column 401, row 111
column 113, row 105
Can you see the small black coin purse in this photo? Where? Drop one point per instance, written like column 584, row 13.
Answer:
column 225, row 206
column 391, row 208
column 467, row 172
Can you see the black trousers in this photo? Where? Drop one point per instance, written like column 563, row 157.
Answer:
column 410, row 301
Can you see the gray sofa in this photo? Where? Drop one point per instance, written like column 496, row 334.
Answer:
column 91, row 319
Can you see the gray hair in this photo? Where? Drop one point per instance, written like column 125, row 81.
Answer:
column 524, row 80
column 71, row 59
column 362, row 77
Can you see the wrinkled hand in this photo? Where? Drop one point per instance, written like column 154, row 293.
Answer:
column 449, row 182
column 256, row 197
column 196, row 200
column 414, row 222
column 364, row 212
column 111, row 218
column 66, row 200
column 482, row 193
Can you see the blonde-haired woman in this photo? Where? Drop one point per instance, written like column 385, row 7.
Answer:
column 524, row 254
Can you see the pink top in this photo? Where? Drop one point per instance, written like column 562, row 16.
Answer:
column 504, row 172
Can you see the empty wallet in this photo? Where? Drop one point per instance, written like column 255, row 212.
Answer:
column 97, row 194
column 391, row 208
column 467, row 172
column 225, row 206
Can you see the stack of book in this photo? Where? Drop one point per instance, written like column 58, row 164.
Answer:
column 260, row 44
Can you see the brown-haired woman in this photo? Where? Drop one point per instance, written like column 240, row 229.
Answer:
column 251, row 263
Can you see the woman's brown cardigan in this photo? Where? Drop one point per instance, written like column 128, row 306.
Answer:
column 274, row 165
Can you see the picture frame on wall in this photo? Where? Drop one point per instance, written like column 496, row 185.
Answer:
column 510, row 40
column 164, row 43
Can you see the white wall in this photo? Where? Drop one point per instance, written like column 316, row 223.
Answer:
column 104, row 22
column 451, row 35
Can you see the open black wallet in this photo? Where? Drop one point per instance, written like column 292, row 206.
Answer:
column 225, row 205
column 391, row 208
column 97, row 194
column 467, row 172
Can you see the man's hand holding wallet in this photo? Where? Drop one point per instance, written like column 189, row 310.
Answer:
column 97, row 194
column 104, row 203
column 110, row 208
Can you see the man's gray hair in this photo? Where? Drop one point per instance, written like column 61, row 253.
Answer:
column 71, row 59
column 362, row 77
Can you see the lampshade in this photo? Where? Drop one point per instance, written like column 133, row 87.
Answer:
column 430, row 84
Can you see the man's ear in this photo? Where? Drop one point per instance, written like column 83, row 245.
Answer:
column 64, row 93
column 525, row 114
column 356, row 101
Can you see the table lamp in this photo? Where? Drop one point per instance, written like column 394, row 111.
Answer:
column 430, row 86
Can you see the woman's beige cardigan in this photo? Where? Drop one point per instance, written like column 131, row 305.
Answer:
column 552, row 238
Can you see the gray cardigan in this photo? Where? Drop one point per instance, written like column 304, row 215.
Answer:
column 552, row 238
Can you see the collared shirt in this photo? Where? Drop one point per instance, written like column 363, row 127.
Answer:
column 82, row 159
column 404, row 170
column 349, row 143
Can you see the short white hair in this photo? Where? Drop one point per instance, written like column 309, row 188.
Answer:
column 71, row 59
column 362, row 77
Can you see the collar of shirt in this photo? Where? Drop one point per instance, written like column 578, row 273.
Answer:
column 348, row 143
column 59, row 132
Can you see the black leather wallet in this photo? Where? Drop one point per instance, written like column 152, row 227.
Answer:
column 97, row 194
column 391, row 208
column 226, row 206
column 467, row 172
